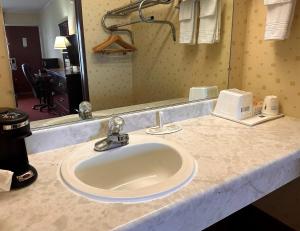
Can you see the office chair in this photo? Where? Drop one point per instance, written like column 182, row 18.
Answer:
column 40, row 89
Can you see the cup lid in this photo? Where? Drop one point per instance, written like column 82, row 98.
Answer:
column 10, row 116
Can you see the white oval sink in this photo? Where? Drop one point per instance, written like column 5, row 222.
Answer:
column 146, row 169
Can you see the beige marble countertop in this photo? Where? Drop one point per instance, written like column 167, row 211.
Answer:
column 227, row 154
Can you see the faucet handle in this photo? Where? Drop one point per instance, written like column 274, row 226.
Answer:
column 116, row 125
column 85, row 110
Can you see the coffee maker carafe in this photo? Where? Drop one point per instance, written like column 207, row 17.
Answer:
column 14, row 128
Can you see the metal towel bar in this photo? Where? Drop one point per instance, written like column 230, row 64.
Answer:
column 138, row 5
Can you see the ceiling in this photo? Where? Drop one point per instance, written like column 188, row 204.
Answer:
column 23, row 5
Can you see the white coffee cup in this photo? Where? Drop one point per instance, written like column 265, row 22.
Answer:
column 271, row 105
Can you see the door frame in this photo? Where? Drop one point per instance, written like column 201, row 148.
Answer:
column 82, row 54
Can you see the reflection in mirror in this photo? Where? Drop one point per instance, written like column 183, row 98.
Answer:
column 44, row 57
column 161, row 71
column 158, row 72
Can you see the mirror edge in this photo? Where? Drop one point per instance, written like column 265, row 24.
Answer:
column 81, row 46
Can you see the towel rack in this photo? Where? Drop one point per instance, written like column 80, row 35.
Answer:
column 137, row 5
column 178, row 4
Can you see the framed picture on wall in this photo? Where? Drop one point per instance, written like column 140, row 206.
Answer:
column 64, row 28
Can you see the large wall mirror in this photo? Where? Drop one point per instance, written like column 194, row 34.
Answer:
column 68, row 38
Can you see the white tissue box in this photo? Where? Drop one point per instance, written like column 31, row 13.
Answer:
column 200, row 93
column 234, row 104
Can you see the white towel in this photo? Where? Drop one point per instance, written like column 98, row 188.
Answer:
column 188, row 21
column 280, row 14
column 5, row 180
column 208, row 8
column 210, row 21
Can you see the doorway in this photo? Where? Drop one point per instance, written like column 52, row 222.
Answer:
column 25, row 48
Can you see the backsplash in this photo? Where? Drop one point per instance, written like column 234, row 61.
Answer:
column 265, row 67
column 7, row 94
column 70, row 134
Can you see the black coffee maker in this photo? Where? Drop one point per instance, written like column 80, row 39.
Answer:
column 14, row 128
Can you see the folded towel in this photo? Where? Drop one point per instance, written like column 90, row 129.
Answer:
column 188, row 21
column 186, row 10
column 208, row 7
column 5, row 180
column 279, row 20
column 210, row 21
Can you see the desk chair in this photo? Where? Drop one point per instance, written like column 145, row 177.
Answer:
column 40, row 88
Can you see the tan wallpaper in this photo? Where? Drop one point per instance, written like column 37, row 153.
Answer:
column 238, row 42
column 110, row 77
column 160, row 69
column 266, row 67
column 6, row 91
column 163, row 69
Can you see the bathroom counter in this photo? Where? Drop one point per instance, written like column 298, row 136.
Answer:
column 237, row 165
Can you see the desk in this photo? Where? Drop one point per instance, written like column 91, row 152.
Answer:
column 67, row 90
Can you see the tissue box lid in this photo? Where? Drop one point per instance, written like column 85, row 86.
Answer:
column 200, row 93
column 236, row 92
column 234, row 104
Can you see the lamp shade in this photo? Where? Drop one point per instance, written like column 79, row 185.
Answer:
column 60, row 43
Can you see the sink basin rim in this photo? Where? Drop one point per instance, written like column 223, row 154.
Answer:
column 182, row 177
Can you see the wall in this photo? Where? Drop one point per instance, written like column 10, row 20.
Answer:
column 238, row 42
column 21, row 19
column 6, row 92
column 163, row 69
column 267, row 67
column 110, row 76
column 54, row 13
column 72, row 18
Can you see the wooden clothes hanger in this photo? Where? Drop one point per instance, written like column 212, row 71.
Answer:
column 114, row 39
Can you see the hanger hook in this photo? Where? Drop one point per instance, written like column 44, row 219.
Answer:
column 152, row 19
column 105, row 27
column 112, row 29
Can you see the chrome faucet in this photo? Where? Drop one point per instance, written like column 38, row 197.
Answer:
column 114, row 138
